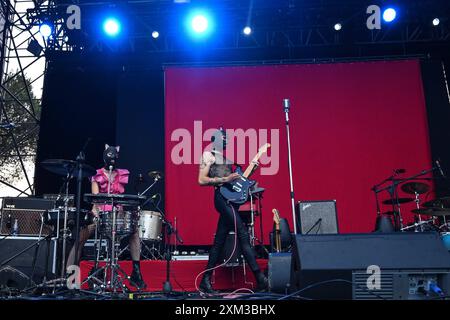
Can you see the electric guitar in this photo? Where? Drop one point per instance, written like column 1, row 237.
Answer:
column 238, row 190
column 277, row 235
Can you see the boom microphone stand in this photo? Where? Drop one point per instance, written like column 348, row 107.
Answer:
column 287, row 106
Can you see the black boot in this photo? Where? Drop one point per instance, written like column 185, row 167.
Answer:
column 205, row 285
column 136, row 277
column 262, row 284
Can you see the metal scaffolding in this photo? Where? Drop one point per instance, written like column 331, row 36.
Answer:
column 22, row 67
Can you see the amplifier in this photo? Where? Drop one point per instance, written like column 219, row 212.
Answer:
column 28, row 212
column 317, row 217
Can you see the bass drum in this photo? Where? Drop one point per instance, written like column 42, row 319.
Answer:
column 150, row 225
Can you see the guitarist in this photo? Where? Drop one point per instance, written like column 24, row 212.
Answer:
column 215, row 170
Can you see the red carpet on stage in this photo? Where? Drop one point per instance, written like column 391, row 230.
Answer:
column 183, row 273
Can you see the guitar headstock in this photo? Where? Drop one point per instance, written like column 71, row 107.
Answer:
column 276, row 216
column 264, row 148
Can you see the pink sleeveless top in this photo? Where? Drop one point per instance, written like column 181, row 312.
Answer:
column 117, row 186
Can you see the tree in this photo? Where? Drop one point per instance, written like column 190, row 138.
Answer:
column 18, row 144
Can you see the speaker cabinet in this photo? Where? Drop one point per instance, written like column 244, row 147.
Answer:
column 279, row 272
column 317, row 217
column 340, row 266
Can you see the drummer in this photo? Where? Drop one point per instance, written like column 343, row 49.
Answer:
column 111, row 180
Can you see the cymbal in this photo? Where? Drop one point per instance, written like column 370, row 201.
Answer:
column 438, row 203
column 436, row 212
column 399, row 200
column 155, row 175
column 65, row 167
column 123, row 199
column 415, row 187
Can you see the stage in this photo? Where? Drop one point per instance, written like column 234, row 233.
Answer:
column 183, row 274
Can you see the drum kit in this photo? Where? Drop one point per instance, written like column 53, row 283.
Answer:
column 124, row 219
column 431, row 215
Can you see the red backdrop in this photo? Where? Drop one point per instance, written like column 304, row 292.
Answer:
column 351, row 125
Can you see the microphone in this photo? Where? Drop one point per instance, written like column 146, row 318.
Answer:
column 438, row 164
column 286, row 105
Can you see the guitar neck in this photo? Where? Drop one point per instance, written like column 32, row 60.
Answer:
column 253, row 163
column 251, row 167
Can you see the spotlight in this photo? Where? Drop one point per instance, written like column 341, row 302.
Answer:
column 35, row 48
column 247, row 31
column 199, row 23
column 112, row 27
column 436, row 22
column 389, row 14
column 155, row 34
column 45, row 30
column 338, row 27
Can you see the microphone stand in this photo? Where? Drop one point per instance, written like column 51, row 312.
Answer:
column 80, row 161
column 169, row 230
column 287, row 106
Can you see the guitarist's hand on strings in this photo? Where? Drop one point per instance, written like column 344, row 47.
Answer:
column 232, row 177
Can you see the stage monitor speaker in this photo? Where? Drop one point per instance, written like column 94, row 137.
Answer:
column 279, row 267
column 28, row 212
column 24, row 262
column 11, row 278
column 341, row 266
column 317, row 217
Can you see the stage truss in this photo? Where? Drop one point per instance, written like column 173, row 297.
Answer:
column 22, row 69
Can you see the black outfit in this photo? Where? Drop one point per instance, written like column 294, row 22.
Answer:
column 224, row 226
column 222, row 168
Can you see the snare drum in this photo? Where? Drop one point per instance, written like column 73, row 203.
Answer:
column 150, row 225
column 126, row 222
column 446, row 239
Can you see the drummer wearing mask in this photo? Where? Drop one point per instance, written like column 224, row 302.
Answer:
column 112, row 180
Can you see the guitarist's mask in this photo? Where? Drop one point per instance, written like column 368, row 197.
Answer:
column 110, row 156
column 219, row 140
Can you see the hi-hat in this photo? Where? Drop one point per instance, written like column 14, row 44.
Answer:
column 438, row 203
column 155, row 175
column 68, row 167
column 435, row 212
column 415, row 187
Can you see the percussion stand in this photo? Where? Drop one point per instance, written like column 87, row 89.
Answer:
column 66, row 205
column 417, row 201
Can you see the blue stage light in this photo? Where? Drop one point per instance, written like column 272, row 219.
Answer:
column 199, row 24
column 247, row 31
column 112, row 27
column 389, row 15
column 45, row 30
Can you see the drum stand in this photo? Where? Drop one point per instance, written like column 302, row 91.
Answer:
column 153, row 252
